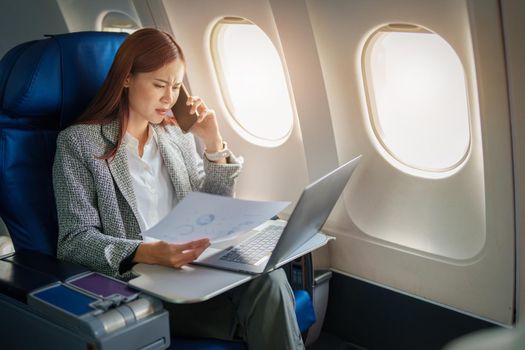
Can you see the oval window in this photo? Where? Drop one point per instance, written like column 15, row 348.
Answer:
column 118, row 22
column 417, row 97
column 252, row 81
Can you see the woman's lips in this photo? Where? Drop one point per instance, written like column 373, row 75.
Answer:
column 162, row 111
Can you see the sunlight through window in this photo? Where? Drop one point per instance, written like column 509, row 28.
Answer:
column 253, row 83
column 418, row 100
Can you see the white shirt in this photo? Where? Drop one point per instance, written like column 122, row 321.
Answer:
column 153, row 188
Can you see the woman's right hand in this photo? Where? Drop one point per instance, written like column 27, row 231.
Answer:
column 170, row 254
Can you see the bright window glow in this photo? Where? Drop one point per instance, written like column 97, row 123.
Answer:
column 118, row 22
column 418, row 97
column 253, row 83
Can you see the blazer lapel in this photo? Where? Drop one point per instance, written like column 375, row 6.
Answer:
column 174, row 164
column 118, row 166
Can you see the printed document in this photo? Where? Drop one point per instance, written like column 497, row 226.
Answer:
column 203, row 215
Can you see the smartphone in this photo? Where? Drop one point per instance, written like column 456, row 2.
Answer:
column 181, row 111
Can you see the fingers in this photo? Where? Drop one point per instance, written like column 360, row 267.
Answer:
column 192, row 245
column 206, row 127
column 180, row 259
column 199, row 107
column 183, row 254
column 195, row 102
column 205, row 114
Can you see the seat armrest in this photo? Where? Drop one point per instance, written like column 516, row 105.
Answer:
column 46, row 264
column 18, row 281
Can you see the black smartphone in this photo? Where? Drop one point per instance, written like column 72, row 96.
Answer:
column 181, row 111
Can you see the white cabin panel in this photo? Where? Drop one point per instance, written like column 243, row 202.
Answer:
column 269, row 172
column 422, row 234
column 88, row 15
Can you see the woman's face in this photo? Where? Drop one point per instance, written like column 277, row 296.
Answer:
column 151, row 95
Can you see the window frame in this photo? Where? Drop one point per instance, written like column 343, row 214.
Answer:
column 233, row 120
column 129, row 27
column 373, row 115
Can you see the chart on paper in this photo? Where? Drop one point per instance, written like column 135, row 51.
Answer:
column 203, row 215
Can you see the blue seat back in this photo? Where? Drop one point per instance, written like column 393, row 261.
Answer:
column 44, row 85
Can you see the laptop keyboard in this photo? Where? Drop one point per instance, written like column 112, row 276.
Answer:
column 255, row 248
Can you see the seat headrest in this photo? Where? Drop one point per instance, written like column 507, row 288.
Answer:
column 51, row 81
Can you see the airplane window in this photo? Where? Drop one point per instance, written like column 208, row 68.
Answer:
column 118, row 22
column 417, row 98
column 252, row 81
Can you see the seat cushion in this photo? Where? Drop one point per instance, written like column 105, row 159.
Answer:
column 304, row 310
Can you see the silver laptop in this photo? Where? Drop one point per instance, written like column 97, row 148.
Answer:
column 275, row 240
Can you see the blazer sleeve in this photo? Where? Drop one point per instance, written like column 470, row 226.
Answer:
column 80, row 237
column 206, row 176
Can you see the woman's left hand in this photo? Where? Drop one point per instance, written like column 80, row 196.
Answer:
column 206, row 127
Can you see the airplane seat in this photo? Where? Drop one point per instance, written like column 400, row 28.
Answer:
column 44, row 85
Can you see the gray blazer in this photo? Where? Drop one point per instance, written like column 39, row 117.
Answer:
column 96, row 205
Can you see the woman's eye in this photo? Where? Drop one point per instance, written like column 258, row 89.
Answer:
column 159, row 86
column 175, row 88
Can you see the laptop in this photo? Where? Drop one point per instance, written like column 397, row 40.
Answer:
column 275, row 240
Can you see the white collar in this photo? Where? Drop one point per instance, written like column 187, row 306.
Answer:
column 133, row 142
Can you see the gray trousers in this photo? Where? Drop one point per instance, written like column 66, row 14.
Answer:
column 260, row 312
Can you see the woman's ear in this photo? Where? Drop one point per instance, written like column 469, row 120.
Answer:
column 127, row 80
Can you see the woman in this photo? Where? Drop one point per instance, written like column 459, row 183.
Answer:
column 126, row 164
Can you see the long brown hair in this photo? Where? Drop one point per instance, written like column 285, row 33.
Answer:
column 146, row 50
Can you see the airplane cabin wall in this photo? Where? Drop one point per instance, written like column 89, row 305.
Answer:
column 269, row 173
column 87, row 15
column 513, row 15
column 421, row 235
column 26, row 20
column 463, row 236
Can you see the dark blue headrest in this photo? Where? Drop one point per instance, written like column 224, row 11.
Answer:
column 7, row 63
column 51, row 81
column 44, row 86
